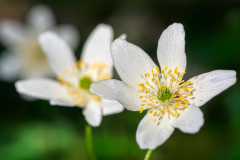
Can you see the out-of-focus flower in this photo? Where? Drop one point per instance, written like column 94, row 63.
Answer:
column 75, row 77
column 24, row 57
column 170, row 102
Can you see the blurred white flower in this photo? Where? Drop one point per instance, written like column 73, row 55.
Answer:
column 24, row 57
column 75, row 77
column 170, row 103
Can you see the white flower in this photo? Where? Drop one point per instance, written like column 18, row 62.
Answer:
column 24, row 57
column 75, row 77
column 170, row 103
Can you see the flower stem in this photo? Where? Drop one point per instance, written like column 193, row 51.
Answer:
column 88, row 132
column 149, row 152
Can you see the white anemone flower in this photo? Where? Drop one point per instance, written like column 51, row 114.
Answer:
column 170, row 102
column 75, row 77
column 24, row 57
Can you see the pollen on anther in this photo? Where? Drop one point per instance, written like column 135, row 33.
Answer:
column 141, row 110
column 141, row 97
column 150, row 111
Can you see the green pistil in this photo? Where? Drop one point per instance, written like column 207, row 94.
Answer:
column 164, row 94
column 85, row 82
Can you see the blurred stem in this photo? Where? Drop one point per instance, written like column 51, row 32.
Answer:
column 149, row 152
column 88, row 132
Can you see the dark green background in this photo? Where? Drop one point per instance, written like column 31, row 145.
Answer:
column 38, row 131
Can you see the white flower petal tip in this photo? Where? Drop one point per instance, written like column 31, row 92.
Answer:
column 123, row 36
column 190, row 120
column 59, row 54
column 41, row 88
column 41, row 17
column 171, row 48
column 111, row 107
column 150, row 135
column 97, row 46
column 210, row 84
column 93, row 115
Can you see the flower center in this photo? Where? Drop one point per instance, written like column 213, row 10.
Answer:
column 80, row 77
column 165, row 92
column 85, row 82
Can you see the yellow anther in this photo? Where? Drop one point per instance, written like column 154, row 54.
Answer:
column 60, row 78
column 145, row 75
column 161, row 111
column 155, row 113
column 170, row 86
column 169, row 73
column 174, row 80
column 158, row 81
column 147, row 83
column 142, row 104
column 150, row 111
column 170, row 79
column 141, row 97
column 177, row 105
column 141, row 110
column 150, row 99
column 139, row 91
column 170, row 113
column 174, row 95
column 165, row 87
column 188, row 82
column 148, row 74
column 163, row 71
column 80, row 63
column 185, row 106
column 166, row 68
column 157, row 69
column 191, row 87
column 163, row 75
column 160, row 87
column 183, row 72
column 166, row 101
column 182, row 81
column 186, row 102
column 144, row 100
column 167, row 109
column 175, row 114
column 189, row 95
column 154, row 105
column 177, row 80
column 156, row 102
column 180, row 76
column 154, row 120
column 175, row 70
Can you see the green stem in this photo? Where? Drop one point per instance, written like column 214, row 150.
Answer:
column 149, row 152
column 88, row 130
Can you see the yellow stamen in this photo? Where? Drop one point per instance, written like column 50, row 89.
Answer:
column 141, row 110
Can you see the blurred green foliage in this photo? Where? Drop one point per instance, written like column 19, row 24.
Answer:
column 37, row 131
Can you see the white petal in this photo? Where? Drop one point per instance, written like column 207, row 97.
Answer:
column 189, row 121
column 210, row 84
column 93, row 115
column 117, row 90
column 43, row 89
column 171, row 48
column 150, row 135
column 111, row 107
column 70, row 34
column 131, row 62
column 59, row 54
column 61, row 102
column 97, row 46
column 9, row 66
column 41, row 17
column 123, row 36
column 11, row 32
